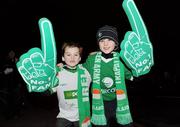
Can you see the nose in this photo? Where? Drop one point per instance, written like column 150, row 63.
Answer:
column 72, row 57
column 105, row 42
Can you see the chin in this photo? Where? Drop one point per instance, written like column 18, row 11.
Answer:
column 106, row 52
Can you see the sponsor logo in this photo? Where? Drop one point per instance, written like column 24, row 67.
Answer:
column 70, row 94
column 104, row 91
column 108, row 82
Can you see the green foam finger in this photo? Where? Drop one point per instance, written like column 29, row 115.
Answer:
column 136, row 48
column 48, row 42
column 136, row 20
column 134, row 40
column 36, row 57
column 30, row 68
column 38, row 66
column 26, row 76
column 25, row 73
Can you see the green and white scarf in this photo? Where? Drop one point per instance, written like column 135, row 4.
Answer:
column 123, row 114
column 83, row 99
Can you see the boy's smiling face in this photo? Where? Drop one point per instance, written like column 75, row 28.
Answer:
column 71, row 56
column 107, row 45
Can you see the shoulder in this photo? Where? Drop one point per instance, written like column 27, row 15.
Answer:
column 81, row 67
column 92, row 55
column 85, row 70
column 60, row 69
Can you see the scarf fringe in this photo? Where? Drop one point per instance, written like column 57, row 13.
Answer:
column 124, row 119
column 98, row 119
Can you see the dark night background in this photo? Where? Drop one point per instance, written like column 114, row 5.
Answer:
column 79, row 20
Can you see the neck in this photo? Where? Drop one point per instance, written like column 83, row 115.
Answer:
column 107, row 56
column 71, row 69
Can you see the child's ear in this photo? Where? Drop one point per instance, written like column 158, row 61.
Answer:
column 63, row 58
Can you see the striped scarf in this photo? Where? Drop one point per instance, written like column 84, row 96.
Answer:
column 83, row 99
column 123, row 114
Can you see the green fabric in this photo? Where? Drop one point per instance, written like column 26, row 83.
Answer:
column 123, row 114
column 83, row 99
column 108, row 93
column 98, row 116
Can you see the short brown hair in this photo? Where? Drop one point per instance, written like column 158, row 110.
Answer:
column 71, row 44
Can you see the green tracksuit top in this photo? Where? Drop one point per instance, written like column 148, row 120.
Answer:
column 107, row 77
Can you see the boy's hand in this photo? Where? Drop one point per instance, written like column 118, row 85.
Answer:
column 136, row 48
column 38, row 67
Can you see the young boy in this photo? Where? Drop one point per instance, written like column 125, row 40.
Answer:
column 109, row 96
column 73, row 89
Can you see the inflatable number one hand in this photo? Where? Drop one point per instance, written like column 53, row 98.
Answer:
column 136, row 48
column 38, row 67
